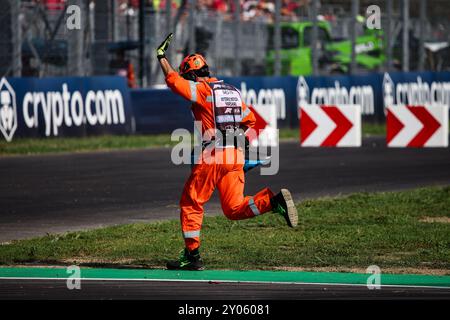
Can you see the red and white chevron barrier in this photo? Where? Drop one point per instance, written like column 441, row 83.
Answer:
column 330, row 125
column 417, row 126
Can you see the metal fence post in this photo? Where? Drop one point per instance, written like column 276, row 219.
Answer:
column 169, row 25
column 76, row 43
column 405, row 42
column 388, row 35
column 217, row 44
column 153, row 36
column 314, row 35
column 423, row 10
column 192, row 47
column 17, row 39
column 142, row 43
column 277, row 38
column 355, row 11
column 237, row 38
column 102, row 30
column 114, row 25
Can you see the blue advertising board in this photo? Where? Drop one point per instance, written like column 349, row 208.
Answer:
column 60, row 107
column 160, row 110
column 264, row 91
column 94, row 105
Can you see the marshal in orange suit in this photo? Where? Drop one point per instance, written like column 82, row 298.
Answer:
column 223, row 114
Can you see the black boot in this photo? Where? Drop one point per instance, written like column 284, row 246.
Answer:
column 283, row 204
column 187, row 261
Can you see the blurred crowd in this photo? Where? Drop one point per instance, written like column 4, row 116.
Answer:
column 254, row 10
column 251, row 10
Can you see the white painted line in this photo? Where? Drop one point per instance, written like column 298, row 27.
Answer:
column 226, row 281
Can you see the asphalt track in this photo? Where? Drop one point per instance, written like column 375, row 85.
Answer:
column 62, row 192
column 51, row 289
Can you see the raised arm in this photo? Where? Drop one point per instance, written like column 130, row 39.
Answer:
column 166, row 66
column 161, row 55
column 179, row 85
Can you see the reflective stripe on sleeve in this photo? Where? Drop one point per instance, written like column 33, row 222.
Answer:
column 253, row 206
column 191, row 234
column 209, row 99
column 193, row 87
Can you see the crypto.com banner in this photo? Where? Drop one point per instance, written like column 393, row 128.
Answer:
column 161, row 111
column 376, row 91
column 61, row 107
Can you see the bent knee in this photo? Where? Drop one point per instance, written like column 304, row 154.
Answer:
column 231, row 213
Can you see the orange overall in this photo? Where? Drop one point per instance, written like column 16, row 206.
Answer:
column 227, row 176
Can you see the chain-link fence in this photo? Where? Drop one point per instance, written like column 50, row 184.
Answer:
column 119, row 37
column 41, row 42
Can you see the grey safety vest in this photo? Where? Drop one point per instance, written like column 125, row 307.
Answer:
column 227, row 106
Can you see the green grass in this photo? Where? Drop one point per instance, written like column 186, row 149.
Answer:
column 368, row 129
column 108, row 142
column 95, row 143
column 355, row 231
column 373, row 129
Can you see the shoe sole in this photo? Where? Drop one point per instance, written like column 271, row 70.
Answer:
column 292, row 213
column 186, row 269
